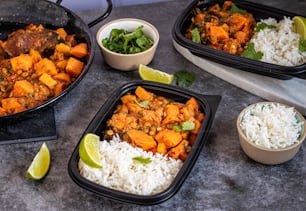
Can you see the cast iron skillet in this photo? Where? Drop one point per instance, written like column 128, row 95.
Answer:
column 16, row 14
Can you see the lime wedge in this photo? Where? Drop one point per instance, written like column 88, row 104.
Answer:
column 89, row 150
column 150, row 74
column 299, row 23
column 40, row 164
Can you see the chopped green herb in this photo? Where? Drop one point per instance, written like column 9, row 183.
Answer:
column 144, row 103
column 142, row 160
column 251, row 53
column 195, row 35
column 262, row 26
column 187, row 125
column 235, row 9
column 184, row 77
column 302, row 45
column 122, row 41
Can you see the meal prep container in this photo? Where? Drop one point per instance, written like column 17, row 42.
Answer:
column 16, row 14
column 208, row 105
column 259, row 12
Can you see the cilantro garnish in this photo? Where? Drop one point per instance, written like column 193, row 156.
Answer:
column 142, row 160
column 235, row 9
column 122, row 41
column 187, row 125
column 144, row 103
column 302, row 45
column 195, row 35
column 184, row 77
column 251, row 53
column 263, row 25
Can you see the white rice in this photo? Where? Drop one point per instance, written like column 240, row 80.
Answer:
column 279, row 45
column 119, row 171
column 271, row 125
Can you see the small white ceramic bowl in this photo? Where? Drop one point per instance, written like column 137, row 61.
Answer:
column 265, row 155
column 127, row 62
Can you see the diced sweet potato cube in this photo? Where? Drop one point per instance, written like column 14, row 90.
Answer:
column 36, row 57
column 74, row 66
column 143, row 94
column 161, row 148
column 141, row 139
column 22, row 62
column 61, row 64
column 45, row 66
column 237, row 21
column 218, row 32
column 59, row 87
column 128, row 98
column 179, row 151
column 172, row 114
column 12, row 105
column 47, row 80
column 62, row 33
column 62, row 47
column 65, row 77
column 80, row 50
column 170, row 138
column 22, row 88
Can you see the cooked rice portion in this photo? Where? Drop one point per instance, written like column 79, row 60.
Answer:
column 279, row 45
column 119, row 171
column 271, row 125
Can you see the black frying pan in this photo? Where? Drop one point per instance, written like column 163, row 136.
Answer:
column 16, row 14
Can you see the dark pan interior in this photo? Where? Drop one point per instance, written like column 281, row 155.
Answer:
column 16, row 14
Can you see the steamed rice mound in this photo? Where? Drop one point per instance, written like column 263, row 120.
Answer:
column 279, row 45
column 120, row 172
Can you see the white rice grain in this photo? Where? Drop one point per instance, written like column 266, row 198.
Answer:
column 119, row 171
column 279, row 45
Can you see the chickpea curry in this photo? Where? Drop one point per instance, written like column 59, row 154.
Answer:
column 224, row 27
column 155, row 123
column 37, row 64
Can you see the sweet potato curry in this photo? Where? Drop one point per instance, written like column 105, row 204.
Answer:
column 156, row 123
column 37, row 64
column 223, row 27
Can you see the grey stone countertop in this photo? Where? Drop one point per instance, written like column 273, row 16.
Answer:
column 223, row 178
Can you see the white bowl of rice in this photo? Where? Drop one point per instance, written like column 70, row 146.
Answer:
column 270, row 133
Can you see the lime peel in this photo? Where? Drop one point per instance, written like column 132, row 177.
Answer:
column 40, row 164
column 299, row 23
column 150, row 74
column 89, row 150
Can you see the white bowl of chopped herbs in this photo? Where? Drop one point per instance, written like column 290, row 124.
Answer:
column 127, row 42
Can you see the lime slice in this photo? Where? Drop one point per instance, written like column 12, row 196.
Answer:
column 299, row 23
column 40, row 164
column 89, row 150
column 150, row 74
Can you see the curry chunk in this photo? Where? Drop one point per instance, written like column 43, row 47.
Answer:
column 151, row 122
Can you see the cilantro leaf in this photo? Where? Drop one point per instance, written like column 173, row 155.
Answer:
column 187, row 125
column 184, row 77
column 302, row 45
column 144, row 103
column 195, row 35
column 235, row 9
column 142, row 160
column 251, row 53
column 263, row 25
column 122, row 41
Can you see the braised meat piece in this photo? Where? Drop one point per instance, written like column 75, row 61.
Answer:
column 35, row 37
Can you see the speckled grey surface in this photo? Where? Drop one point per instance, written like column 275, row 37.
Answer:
column 223, row 177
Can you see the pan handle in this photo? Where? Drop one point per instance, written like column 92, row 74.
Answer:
column 100, row 18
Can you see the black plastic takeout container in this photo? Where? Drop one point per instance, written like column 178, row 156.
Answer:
column 208, row 105
column 259, row 12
